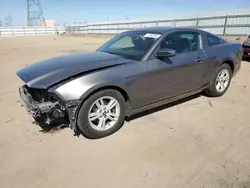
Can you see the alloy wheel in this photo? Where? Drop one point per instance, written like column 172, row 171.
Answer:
column 222, row 80
column 104, row 113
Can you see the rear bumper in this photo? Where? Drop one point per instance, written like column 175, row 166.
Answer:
column 246, row 53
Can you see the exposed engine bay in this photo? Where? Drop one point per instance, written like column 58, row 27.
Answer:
column 43, row 106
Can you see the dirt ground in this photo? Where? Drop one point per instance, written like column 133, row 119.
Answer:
column 203, row 142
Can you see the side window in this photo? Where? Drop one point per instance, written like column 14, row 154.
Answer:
column 182, row 42
column 213, row 40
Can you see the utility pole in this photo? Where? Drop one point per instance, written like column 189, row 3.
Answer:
column 35, row 15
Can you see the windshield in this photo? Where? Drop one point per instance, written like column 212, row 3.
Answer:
column 131, row 45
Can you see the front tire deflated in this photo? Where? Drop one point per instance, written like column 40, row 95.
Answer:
column 102, row 114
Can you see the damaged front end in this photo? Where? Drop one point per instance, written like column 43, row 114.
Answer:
column 44, row 107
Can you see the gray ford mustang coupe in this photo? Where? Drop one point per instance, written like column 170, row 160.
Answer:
column 134, row 71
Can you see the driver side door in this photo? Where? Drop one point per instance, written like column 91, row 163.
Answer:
column 172, row 76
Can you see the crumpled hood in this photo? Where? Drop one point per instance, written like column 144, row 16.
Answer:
column 48, row 72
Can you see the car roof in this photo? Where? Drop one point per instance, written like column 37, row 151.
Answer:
column 164, row 29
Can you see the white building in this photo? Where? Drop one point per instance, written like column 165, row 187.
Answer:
column 48, row 23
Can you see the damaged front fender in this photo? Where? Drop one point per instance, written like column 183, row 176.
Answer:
column 72, row 107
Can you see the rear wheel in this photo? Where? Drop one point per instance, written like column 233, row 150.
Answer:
column 102, row 114
column 220, row 81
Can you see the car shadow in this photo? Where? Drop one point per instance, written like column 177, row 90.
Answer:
column 163, row 107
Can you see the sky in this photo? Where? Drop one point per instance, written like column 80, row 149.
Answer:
column 103, row 10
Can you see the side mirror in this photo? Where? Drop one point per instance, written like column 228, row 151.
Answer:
column 166, row 53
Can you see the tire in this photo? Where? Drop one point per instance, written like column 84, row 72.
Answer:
column 91, row 129
column 212, row 90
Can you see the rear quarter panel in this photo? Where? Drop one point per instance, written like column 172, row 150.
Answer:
column 218, row 54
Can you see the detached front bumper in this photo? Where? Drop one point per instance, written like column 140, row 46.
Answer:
column 28, row 102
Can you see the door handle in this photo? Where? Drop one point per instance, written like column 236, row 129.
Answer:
column 199, row 60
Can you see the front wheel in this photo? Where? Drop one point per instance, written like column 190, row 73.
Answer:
column 102, row 114
column 220, row 81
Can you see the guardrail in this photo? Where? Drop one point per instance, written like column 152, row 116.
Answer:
column 220, row 25
column 30, row 31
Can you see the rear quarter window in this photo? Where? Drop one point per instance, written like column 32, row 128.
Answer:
column 214, row 40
